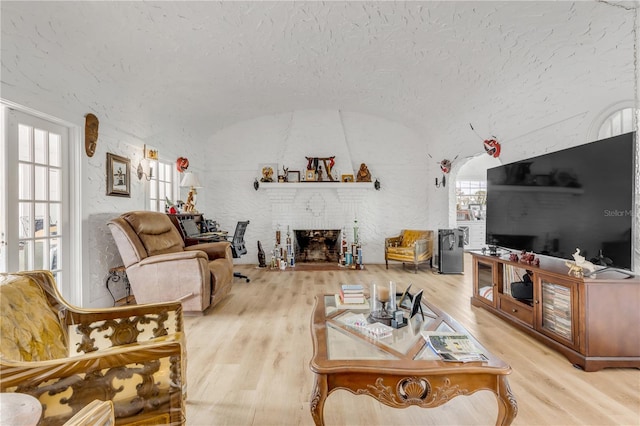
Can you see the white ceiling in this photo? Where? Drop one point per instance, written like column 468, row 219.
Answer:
column 188, row 69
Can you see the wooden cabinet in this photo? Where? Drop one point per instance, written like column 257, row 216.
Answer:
column 593, row 322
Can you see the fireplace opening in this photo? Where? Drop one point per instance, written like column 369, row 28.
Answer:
column 317, row 246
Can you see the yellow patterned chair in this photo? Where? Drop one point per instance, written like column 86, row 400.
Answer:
column 67, row 357
column 411, row 246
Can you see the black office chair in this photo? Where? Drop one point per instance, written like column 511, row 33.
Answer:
column 237, row 245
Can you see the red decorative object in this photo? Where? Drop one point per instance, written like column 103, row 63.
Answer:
column 492, row 147
column 182, row 164
column 529, row 258
column 445, row 166
column 513, row 257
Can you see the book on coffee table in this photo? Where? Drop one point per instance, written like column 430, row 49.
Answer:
column 454, row 347
column 359, row 306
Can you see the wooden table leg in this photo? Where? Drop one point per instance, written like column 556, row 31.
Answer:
column 507, row 405
column 318, row 396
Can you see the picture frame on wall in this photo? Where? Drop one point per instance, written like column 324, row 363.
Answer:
column 293, row 176
column 118, row 176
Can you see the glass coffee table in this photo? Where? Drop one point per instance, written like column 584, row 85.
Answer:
column 399, row 370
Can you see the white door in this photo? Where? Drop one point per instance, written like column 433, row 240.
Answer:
column 35, row 205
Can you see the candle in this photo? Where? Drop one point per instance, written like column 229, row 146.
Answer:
column 383, row 294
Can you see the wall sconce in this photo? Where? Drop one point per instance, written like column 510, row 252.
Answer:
column 376, row 184
column 190, row 180
column 149, row 154
column 442, row 183
column 140, row 172
column 256, row 184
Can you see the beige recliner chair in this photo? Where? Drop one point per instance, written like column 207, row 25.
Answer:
column 160, row 268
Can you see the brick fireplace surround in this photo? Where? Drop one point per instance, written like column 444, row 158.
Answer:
column 315, row 206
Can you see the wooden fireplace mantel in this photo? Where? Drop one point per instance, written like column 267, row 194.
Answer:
column 286, row 192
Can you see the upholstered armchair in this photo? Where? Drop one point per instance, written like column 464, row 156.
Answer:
column 160, row 268
column 411, row 246
column 68, row 357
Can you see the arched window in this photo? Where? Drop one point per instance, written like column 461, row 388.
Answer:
column 621, row 121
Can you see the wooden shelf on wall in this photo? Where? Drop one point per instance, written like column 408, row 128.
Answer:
column 316, row 185
column 346, row 191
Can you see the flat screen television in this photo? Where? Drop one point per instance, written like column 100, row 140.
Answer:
column 579, row 197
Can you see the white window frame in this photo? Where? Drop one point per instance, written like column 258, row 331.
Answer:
column 164, row 174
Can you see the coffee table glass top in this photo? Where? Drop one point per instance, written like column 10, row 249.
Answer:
column 346, row 341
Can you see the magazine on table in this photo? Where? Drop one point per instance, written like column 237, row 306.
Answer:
column 455, row 347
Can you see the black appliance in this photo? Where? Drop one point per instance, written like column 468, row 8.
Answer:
column 580, row 197
column 451, row 251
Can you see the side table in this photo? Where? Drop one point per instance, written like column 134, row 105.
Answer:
column 19, row 409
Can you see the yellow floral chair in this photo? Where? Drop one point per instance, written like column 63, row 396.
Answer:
column 67, row 357
column 411, row 246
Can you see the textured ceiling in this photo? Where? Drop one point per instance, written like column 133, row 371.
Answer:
column 187, row 69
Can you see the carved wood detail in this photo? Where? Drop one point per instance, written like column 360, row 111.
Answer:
column 123, row 330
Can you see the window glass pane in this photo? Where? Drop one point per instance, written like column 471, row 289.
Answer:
column 55, row 192
column 627, row 120
column 40, row 146
column 161, row 195
column 25, row 257
column 24, row 210
column 24, row 181
column 54, row 218
column 616, row 123
column 41, row 218
column 55, row 253
column 161, row 173
column 55, row 148
column 40, row 183
column 153, row 189
column 41, row 257
column 24, row 143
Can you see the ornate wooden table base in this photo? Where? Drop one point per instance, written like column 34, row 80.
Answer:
column 404, row 391
column 409, row 374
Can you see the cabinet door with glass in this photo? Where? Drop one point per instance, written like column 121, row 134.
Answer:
column 485, row 281
column 556, row 309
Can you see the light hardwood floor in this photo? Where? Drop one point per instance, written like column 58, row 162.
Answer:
column 248, row 361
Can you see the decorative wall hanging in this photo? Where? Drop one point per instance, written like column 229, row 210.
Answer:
column 182, row 164
column 152, row 154
column 445, row 167
column 118, row 176
column 91, row 124
column 491, row 146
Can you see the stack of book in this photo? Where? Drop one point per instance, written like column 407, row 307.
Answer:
column 352, row 294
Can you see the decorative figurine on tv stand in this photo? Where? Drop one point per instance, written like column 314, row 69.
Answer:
column 529, row 258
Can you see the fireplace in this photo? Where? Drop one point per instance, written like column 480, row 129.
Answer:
column 317, row 246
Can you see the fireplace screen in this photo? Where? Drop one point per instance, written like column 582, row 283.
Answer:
column 317, row 246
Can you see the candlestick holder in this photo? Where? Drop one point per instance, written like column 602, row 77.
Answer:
column 383, row 302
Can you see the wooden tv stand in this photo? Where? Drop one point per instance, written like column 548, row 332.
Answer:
column 591, row 321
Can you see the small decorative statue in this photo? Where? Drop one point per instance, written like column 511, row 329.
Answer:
column 529, row 258
column 261, row 257
column 363, row 174
column 577, row 267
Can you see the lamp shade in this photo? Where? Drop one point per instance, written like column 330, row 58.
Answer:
column 190, row 180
